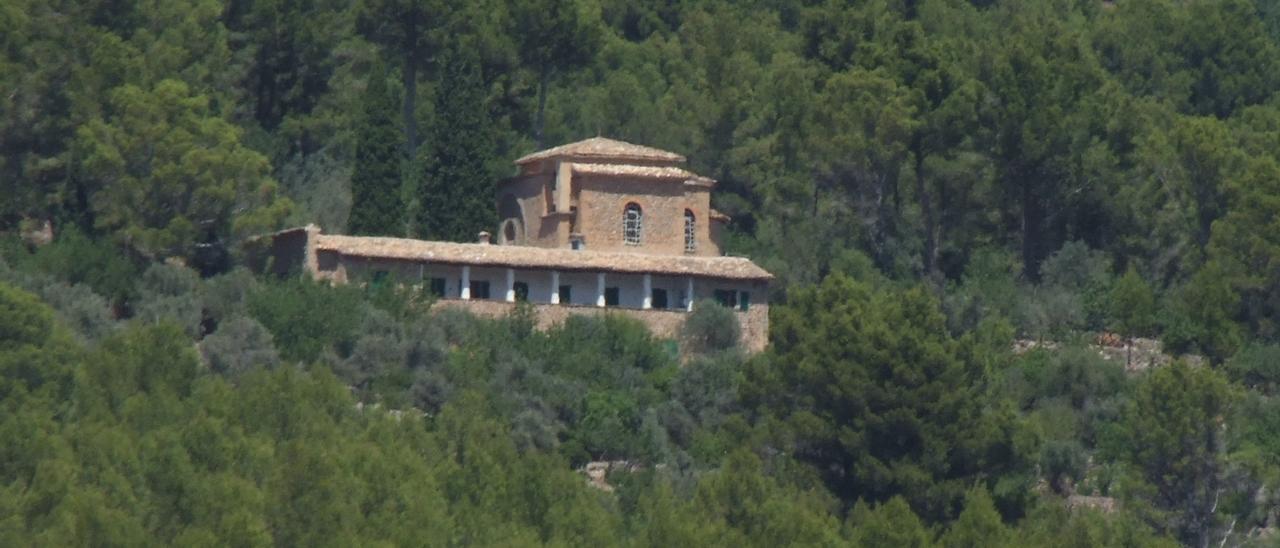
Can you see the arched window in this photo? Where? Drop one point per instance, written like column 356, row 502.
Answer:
column 690, row 232
column 631, row 224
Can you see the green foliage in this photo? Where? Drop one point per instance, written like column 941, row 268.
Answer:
column 376, row 209
column 956, row 144
column 26, row 321
column 1081, row 271
column 1053, row 525
column 455, row 200
column 553, row 37
column 76, row 259
column 875, row 392
column 1172, row 437
column 1256, row 367
column 978, row 525
column 170, row 293
column 989, row 289
column 305, row 317
column 1200, row 316
column 407, row 30
column 1133, row 305
column 170, row 175
column 238, row 346
column 889, row 524
column 710, row 328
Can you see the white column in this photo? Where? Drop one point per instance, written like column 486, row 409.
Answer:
column 600, row 289
column 689, row 292
column 648, row 292
column 511, row 285
column 555, row 287
column 465, row 291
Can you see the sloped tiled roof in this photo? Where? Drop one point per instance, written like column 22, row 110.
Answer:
column 604, row 149
column 733, row 268
column 646, row 172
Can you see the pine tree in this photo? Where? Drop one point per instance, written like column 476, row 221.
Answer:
column 375, row 185
column 456, row 198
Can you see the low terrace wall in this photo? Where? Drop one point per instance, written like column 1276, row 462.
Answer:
column 664, row 324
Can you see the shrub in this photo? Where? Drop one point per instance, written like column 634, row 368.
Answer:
column 170, row 293
column 239, row 345
column 1133, row 305
column 710, row 328
column 1258, row 367
column 1062, row 460
column 75, row 258
column 24, row 320
column 989, row 288
column 77, row 306
column 228, row 294
column 1050, row 312
column 379, row 348
column 306, row 317
column 1083, row 272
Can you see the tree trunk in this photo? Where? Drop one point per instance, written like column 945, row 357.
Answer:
column 542, row 108
column 410, row 73
column 1031, row 221
column 929, row 260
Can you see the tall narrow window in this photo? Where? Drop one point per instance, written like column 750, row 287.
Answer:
column 631, row 224
column 690, row 232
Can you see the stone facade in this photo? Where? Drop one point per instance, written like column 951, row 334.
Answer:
column 602, row 202
column 578, row 192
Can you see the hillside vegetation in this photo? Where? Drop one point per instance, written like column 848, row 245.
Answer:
column 930, row 180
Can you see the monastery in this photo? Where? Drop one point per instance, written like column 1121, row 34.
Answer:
column 597, row 226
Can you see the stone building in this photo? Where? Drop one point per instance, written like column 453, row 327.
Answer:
column 597, row 226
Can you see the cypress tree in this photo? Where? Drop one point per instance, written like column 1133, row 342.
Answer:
column 375, row 185
column 456, row 198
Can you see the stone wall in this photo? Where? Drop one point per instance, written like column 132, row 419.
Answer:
column 600, row 201
column 284, row 253
column 664, row 324
column 600, row 211
column 529, row 193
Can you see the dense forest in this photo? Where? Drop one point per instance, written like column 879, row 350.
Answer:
column 957, row 197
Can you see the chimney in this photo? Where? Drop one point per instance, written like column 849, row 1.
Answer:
column 484, row 236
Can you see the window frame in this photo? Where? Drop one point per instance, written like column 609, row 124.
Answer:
column 632, row 224
column 690, row 232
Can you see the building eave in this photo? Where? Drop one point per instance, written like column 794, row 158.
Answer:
column 525, row 257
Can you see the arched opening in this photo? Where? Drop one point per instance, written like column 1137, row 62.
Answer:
column 690, row 232
column 511, row 231
column 632, row 224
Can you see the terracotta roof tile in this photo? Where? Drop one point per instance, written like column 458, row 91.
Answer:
column 734, row 268
column 647, row 172
column 604, row 148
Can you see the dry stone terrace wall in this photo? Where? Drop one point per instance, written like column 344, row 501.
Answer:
column 664, row 324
